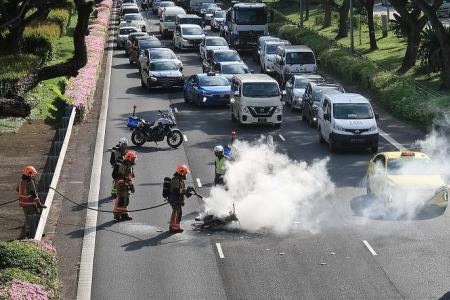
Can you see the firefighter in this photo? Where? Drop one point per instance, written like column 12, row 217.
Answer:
column 117, row 154
column 219, row 165
column 28, row 198
column 177, row 194
column 124, row 183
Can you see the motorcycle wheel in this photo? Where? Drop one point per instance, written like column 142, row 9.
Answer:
column 174, row 138
column 137, row 137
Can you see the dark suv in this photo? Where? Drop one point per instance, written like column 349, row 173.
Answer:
column 217, row 56
column 140, row 45
column 311, row 99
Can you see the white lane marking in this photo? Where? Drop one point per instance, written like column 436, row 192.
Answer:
column 76, row 182
column 391, row 140
column 219, row 249
column 366, row 243
column 282, row 138
column 90, row 226
column 199, row 183
column 185, row 138
column 175, row 109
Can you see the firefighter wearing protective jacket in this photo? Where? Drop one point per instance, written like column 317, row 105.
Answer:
column 117, row 154
column 124, row 183
column 28, row 198
column 177, row 194
column 219, row 165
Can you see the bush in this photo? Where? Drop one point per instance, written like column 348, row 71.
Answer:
column 397, row 93
column 319, row 20
column 60, row 17
column 9, row 274
column 42, row 39
column 14, row 67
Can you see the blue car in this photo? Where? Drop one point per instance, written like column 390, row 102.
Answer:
column 207, row 89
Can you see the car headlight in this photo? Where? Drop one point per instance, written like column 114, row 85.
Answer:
column 205, row 98
column 153, row 78
column 298, row 99
column 232, row 100
column 244, row 110
column 279, row 109
column 373, row 128
column 338, row 128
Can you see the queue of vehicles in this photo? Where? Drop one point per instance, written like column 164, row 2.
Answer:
column 343, row 120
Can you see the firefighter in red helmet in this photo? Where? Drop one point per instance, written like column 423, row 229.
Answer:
column 177, row 194
column 124, row 175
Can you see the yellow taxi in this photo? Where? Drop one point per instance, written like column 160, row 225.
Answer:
column 408, row 176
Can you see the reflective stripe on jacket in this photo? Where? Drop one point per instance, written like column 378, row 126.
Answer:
column 27, row 192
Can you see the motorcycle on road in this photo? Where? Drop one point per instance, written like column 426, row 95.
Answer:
column 162, row 128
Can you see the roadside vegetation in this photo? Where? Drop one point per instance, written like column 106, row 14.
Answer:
column 415, row 96
column 28, row 270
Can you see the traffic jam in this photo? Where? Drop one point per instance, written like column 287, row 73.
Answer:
column 257, row 79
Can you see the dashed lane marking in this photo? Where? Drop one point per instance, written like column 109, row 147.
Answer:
column 391, row 140
column 219, row 250
column 282, row 138
column 199, row 183
column 175, row 109
column 366, row 243
column 185, row 138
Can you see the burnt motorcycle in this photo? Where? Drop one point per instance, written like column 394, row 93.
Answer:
column 162, row 128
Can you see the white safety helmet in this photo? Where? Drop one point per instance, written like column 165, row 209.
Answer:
column 218, row 149
column 123, row 141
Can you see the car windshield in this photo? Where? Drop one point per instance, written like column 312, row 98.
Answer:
column 163, row 66
column 216, row 42
column 219, row 14
column 352, row 111
column 260, row 89
column 226, row 56
column 147, row 44
column 132, row 17
column 125, row 31
column 211, row 10
column 409, row 165
column 207, row 5
column 251, row 16
column 300, row 58
column 301, row 83
column 192, row 31
column 234, row 69
column 195, row 21
column 162, row 55
column 326, row 89
column 213, row 81
column 130, row 10
column 271, row 49
column 136, row 35
column 166, row 4
column 169, row 18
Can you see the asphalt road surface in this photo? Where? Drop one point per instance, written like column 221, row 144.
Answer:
column 139, row 259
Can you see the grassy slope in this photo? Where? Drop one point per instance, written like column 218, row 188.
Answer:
column 391, row 49
column 47, row 92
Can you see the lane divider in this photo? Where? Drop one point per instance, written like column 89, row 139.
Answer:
column 219, row 250
column 199, row 183
column 185, row 138
column 175, row 109
column 391, row 140
column 282, row 138
column 366, row 243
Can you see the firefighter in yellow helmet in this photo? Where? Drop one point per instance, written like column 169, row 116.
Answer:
column 28, row 197
column 124, row 182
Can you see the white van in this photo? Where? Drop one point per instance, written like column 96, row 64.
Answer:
column 256, row 98
column 347, row 120
column 168, row 17
column 290, row 60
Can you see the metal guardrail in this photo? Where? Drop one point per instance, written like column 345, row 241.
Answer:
column 419, row 87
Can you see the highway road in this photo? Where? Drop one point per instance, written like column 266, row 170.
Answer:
column 351, row 258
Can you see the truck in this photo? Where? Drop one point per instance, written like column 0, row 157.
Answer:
column 245, row 23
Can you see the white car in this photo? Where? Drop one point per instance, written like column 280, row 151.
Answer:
column 154, row 54
column 135, row 20
column 267, row 54
column 295, row 88
column 218, row 19
column 212, row 43
column 230, row 68
column 188, row 36
column 163, row 5
column 123, row 33
column 209, row 14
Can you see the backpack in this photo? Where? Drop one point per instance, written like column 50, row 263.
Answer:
column 115, row 172
column 166, row 187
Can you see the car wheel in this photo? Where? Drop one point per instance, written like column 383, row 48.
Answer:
column 321, row 140
column 186, row 98
column 332, row 145
column 130, row 61
column 233, row 118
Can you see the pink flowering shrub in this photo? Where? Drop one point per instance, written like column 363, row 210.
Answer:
column 82, row 87
column 45, row 246
column 23, row 290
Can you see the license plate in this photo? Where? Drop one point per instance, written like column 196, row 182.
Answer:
column 357, row 141
column 262, row 120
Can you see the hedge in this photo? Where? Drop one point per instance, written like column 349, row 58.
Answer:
column 42, row 38
column 60, row 17
column 397, row 93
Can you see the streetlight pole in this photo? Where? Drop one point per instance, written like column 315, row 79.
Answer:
column 387, row 11
column 301, row 13
column 352, row 41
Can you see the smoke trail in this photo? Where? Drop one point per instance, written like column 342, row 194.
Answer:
column 271, row 191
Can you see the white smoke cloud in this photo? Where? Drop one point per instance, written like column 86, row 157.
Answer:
column 272, row 192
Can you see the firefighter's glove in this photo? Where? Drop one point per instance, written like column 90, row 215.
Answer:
column 190, row 191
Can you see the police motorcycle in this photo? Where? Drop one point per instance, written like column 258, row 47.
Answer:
column 157, row 131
